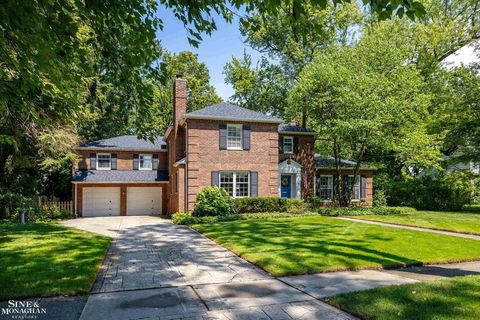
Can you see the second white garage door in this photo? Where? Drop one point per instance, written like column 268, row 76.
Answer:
column 144, row 201
column 101, row 201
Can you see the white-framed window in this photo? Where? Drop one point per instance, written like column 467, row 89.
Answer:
column 104, row 161
column 234, row 136
column 236, row 183
column 356, row 188
column 287, row 144
column 325, row 187
column 145, row 161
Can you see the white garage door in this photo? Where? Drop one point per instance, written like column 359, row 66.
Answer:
column 101, row 201
column 144, row 201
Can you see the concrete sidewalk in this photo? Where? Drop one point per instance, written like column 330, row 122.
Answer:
column 328, row 284
column 386, row 224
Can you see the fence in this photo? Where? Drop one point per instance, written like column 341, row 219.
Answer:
column 61, row 205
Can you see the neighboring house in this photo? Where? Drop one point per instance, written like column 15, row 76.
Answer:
column 242, row 151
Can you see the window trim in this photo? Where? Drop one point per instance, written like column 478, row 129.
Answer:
column 140, row 161
column 237, row 126
column 359, row 188
column 109, row 161
column 292, row 142
column 331, row 186
column 234, row 186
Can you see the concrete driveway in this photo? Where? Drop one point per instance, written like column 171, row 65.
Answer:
column 157, row 270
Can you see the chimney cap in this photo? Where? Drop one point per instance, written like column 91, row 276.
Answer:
column 179, row 76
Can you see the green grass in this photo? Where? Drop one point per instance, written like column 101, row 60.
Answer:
column 456, row 298
column 451, row 221
column 46, row 259
column 318, row 244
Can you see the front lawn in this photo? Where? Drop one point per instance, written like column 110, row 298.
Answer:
column 456, row 298
column 45, row 259
column 450, row 221
column 318, row 244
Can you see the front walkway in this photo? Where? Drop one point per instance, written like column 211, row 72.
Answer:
column 157, row 270
column 322, row 285
column 423, row 229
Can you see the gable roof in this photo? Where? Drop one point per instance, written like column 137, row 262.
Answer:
column 230, row 112
column 290, row 128
column 128, row 142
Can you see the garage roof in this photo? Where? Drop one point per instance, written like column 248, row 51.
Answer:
column 120, row 176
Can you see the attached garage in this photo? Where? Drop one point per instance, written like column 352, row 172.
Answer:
column 144, row 201
column 103, row 201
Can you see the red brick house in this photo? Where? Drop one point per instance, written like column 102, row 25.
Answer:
column 245, row 152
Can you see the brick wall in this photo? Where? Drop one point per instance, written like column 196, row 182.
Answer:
column 124, row 159
column 205, row 156
column 123, row 194
column 305, row 157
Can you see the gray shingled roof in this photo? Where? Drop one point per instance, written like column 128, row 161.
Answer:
column 228, row 111
column 126, row 143
column 326, row 162
column 329, row 162
column 120, row 176
column 293, row 128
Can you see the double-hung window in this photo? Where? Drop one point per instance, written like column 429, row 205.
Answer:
column 234, row 136
column 104, row 161
column 326, row 187
column 356, row 188
column 145, row 162
column 287, row 144
column 236, row 183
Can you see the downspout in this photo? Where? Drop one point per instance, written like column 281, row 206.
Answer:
column 186, row 170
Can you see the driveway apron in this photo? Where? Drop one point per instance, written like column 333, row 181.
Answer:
column 157, row 270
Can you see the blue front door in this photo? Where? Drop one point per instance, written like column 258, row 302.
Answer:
column 286, row 186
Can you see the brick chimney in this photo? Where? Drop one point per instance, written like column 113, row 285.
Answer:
column 179, row 100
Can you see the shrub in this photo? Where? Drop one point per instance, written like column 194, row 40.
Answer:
column 33, row 214
column 379, row 198
column 260, row 204
column 471, row 208
column 213, row 201
column 445, row 192
column 315, row 202
column 268, row 204
column 359, row 211
column 188, row 219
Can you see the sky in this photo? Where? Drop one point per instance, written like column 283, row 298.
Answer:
column 216, row 50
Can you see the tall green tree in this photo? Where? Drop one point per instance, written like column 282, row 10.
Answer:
column 286, row 51
column 366, row 96
column 263, row 87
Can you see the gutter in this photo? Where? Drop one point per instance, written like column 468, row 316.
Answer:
column 305, row 133
column 201, row 117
